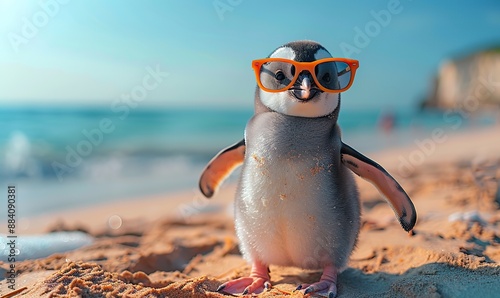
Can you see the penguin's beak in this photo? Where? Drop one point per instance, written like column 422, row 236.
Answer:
column 304, row 88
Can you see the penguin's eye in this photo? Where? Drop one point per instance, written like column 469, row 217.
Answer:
column 279, row 75
column 326, row 78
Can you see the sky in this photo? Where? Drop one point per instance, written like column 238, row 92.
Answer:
column 198, row 53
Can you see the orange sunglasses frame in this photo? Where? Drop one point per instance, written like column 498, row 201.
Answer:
column 309, row 66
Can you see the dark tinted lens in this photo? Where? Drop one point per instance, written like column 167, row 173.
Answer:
column 276, row 75
column 333, row 75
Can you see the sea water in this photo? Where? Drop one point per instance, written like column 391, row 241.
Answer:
column 69, row 157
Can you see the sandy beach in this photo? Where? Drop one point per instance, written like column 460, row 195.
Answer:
column 184, row 245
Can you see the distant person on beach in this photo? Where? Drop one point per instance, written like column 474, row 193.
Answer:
column 387, row 122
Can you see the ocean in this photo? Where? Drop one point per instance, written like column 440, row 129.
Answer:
column 69, row 157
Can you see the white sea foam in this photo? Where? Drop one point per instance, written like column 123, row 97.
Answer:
column 40, row 246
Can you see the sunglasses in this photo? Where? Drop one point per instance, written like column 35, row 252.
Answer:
column 330, row 74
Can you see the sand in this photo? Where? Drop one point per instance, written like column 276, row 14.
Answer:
column 183, row 245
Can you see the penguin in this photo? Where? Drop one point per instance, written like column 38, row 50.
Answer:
column 297, row 202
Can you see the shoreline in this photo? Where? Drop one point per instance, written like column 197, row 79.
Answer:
column 144, row 209
column 398, row 161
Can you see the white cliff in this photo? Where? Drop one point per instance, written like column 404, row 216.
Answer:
column 471, row 82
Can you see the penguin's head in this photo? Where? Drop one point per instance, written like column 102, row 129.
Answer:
column 303, row 98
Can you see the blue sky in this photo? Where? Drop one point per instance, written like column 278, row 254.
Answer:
column 96, row 52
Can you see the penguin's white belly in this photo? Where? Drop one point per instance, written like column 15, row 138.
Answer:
column 285, row 210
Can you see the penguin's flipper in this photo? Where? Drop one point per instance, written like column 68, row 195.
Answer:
column 384, row 182
column 220, row 167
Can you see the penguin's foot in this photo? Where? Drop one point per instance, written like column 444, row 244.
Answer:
column 327, row 283
column 256, row 283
